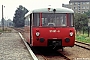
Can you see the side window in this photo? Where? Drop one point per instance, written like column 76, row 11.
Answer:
column 70, row 19
column 27, row 21
column 36, row 19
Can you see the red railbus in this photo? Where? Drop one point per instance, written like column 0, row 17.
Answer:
column 50, row 27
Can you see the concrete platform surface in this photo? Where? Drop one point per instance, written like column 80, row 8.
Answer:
column 13, row 48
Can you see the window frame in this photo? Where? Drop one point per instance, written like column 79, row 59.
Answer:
column 69, row 21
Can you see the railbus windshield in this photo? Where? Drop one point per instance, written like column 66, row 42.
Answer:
column 53, row 19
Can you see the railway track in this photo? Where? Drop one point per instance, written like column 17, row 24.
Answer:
column 82, row 45
column 59, row 57
column 19, row 29
column 49, row 54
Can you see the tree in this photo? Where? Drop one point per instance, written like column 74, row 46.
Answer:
column 18, row 18
column 87, row 13
column 81, row 21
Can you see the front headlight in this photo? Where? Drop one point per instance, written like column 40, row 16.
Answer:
column 71, row 34
column 37, row 34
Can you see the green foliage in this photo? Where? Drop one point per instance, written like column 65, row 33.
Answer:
column 5, row 30
column 83, row 38
column 81, row 21
column 0, row 30
column 87, row 13
column 18, row 18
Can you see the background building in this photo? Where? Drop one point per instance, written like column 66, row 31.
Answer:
column 7, row 23
column 79, row 6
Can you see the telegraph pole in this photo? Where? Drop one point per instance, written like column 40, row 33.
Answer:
column 2, row 19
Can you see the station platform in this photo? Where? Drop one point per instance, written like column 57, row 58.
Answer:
column 12, row 47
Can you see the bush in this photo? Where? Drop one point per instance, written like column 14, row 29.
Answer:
column 83, row 38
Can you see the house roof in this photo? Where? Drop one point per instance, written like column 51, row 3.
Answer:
column 79, row 1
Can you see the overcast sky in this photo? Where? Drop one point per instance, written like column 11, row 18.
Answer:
column 11, row 5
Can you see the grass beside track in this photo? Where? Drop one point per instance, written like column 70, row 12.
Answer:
column 6, row 29
column 83, row 38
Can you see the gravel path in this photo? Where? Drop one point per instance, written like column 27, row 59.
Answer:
column 76, row 53
column 13, row 48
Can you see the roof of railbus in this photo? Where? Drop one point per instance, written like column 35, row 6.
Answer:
column 45, row 10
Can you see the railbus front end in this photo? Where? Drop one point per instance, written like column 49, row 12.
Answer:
column 52, row 28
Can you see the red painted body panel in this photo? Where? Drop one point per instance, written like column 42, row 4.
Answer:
column 52, row 33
